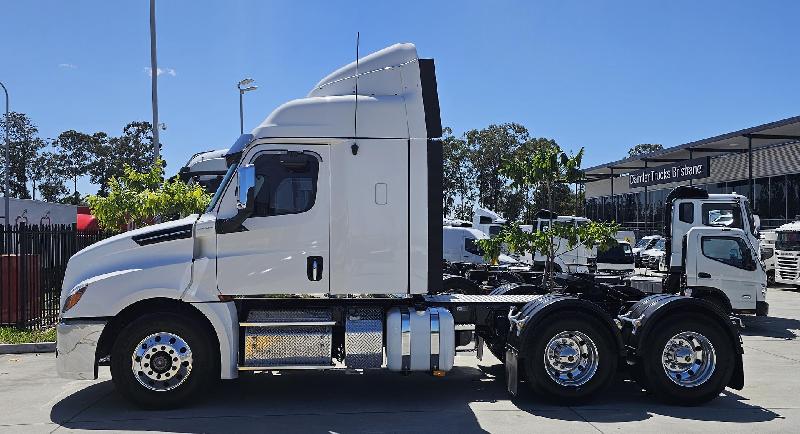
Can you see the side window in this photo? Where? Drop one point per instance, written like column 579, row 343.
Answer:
column 722, row 214
column 686, row 212
column 286, row 183
column 728, row 250
column 472, row 247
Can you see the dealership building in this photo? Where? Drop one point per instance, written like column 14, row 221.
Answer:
column 762, row 163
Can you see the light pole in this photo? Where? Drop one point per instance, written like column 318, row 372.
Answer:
column 154, row 78
column 242, row 90
column 8, row 156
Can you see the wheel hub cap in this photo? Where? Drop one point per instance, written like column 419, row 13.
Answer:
column 689, row 359
column 161, row 361
column 571, row 358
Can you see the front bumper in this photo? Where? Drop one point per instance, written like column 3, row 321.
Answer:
column 76, row 348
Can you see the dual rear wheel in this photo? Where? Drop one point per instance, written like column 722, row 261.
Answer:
column 687, row 361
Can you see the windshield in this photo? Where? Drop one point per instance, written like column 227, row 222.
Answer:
column 660, row 244
column 642, row 243
column 221, row 187
column 788, row 241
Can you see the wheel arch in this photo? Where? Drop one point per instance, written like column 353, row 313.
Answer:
column 221, row 341
column 644, row 316
column 548, row 306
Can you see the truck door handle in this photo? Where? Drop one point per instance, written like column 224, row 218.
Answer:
column 703, row 275
column 314, row 268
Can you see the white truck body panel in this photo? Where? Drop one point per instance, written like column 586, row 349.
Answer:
column 722, row 265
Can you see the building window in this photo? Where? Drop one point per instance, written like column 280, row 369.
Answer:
column 777, row 198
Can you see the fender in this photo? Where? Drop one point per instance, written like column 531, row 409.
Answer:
column 525, row 321
column 644, row 316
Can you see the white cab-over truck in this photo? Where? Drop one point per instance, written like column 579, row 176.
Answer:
column 322, row 249
column 787, row 254
column 711, row 258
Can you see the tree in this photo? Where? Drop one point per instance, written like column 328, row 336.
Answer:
column 51, row 184
column 76, row 151
column 458, row 182
column 488, row 148
column 24, row 145
column 137, row 199
column 545, row 166
column 110, row 154
column 644, row 149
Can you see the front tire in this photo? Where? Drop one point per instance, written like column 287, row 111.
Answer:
column 162, row 360
column 571, row 359
column 688, row 361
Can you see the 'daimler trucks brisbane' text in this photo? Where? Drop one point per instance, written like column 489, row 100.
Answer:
column 322, row 249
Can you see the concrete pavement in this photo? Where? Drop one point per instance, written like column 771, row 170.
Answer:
column 469, row 399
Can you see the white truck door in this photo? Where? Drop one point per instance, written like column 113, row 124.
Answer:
column 723, row 260
column 285, row 247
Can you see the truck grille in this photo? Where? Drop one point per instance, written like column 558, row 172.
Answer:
column 788, row 267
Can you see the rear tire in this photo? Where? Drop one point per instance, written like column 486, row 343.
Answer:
column 571, row 358
column 162, row 360
column 688, row 361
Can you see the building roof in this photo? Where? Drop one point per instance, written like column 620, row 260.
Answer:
column 770, row 134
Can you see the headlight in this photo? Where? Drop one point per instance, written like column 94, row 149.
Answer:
column 73, row 298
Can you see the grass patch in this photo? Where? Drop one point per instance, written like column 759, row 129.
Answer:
column 12, row 335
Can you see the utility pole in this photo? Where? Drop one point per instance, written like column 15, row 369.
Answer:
column 154, row 78
column 8, row 158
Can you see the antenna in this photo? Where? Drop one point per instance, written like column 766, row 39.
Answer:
column 354, row 146
column 355, row 115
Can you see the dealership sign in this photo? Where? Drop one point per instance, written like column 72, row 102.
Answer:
column 697, row 168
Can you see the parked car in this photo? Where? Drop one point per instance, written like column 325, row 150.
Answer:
column 641, row 246
column 617, row 259
column 651, row 257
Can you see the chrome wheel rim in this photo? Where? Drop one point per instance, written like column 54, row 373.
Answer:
column 689, row 359
column 161, row 361
column 571, row 358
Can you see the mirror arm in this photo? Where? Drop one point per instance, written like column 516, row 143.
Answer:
column 234, row 224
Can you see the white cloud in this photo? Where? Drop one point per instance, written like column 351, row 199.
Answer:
column 160, row 71
column 67, row 66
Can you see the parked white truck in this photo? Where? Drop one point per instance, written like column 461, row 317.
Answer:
column 337, row 195
column 573, row 259
column 787, row 254
column 712, row 258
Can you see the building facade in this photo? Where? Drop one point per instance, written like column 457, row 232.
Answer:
column 762, row 163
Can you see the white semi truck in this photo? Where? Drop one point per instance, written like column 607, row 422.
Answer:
column 335, row 196
column 206, row 169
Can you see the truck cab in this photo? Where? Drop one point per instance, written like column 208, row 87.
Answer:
column 713, row 246
column 573, row 259
column 787, row 254
column 205, row 169
column 487, row 221
column 459, row 245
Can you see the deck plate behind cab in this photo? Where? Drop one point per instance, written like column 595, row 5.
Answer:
column 479, row 299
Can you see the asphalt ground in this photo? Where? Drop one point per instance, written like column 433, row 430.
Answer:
column 471, row 398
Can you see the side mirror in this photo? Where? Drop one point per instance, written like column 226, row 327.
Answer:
column 756, row 223
column 247, row 181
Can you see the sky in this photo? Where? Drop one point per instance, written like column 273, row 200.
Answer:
column 601, row 75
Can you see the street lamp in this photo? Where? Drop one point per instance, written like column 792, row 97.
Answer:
column 8, row 157
column 242, row 90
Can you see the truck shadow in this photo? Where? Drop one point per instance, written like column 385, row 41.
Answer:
column 770, row 327
column 377, row 401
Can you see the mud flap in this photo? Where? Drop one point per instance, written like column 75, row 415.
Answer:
column 479, row 348
column 512, row 379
